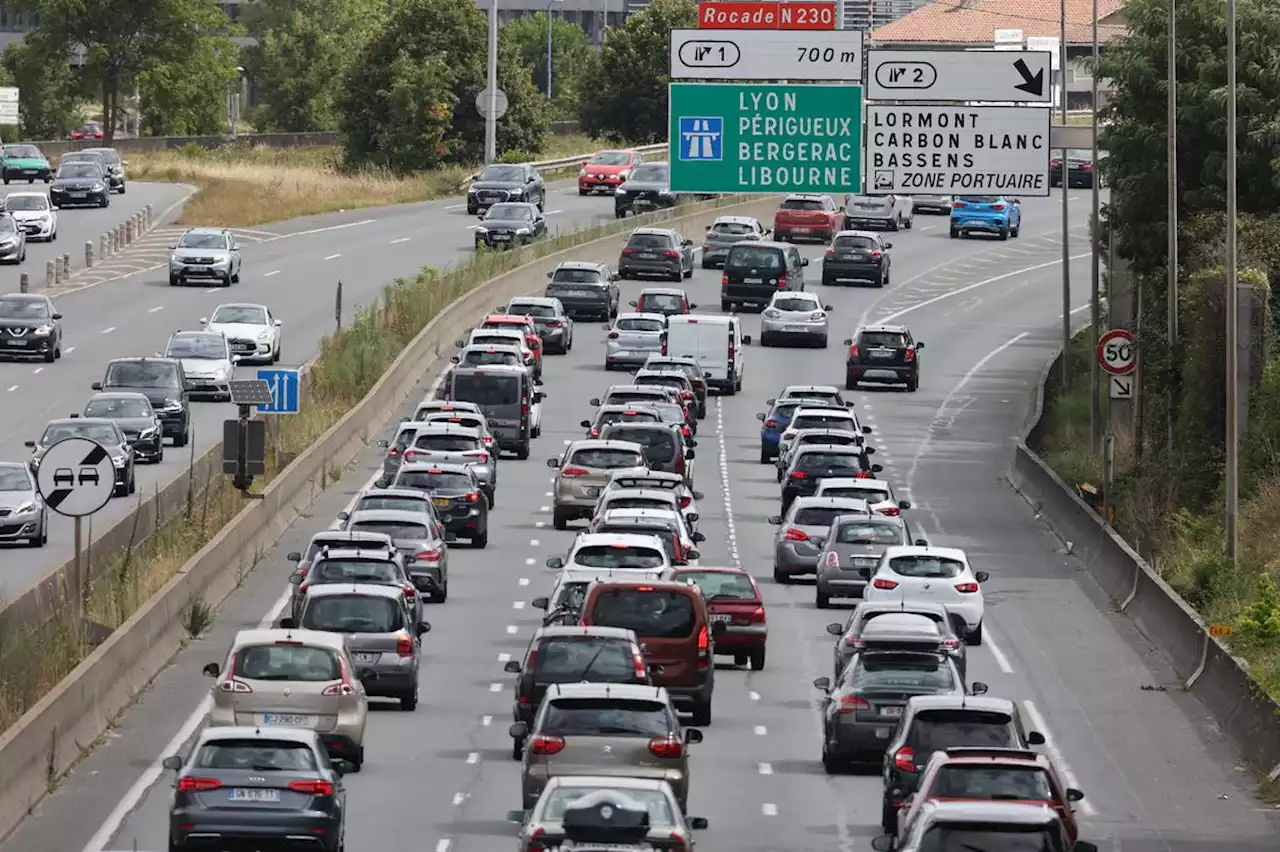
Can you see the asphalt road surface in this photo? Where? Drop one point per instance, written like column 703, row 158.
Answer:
column 1156, row 775
column 293, row 268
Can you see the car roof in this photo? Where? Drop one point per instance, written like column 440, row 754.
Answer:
column 640, row 315
column 25, row 194
column 130, row 395
column 708, row 569
column 214, row 733
column 426, row 467
column 853, row 482
column 665, row 291
column 25, row 297
column 648, row 426
column 929, row 550
column 675, row 359
column 606, row 690
column 206, row 230
column 407, row 493
column 93, row 421
column 855, row 233
column 638, row 515
column 376, row 552
column 656, row 371
column 666, row 232
column 615, row 539
column 822, row 410
column 582, row 264
column 1019, row 813
column 806, row 196
column 899, row 624
column 993, row 756
column 496, row 369
column 737, row 220
column 408, row 516
column 621, row 782
column 801, row 390
column 239, row 305
column 510, row 319
column 603, row 444
column 354, row 536
column 580, row 574
column 532, row 300
column 133, row 359
column 362, row 589
column 857, row 504
column 848, row 449
column 891, row 329
column 899, row 605
column 443, row 427
column 558, row 630
column 272, row 635
column 645, row 389
column 976, row 703
column 198, row 333
column 648, row 474
column 18, row 466
column 773, row 244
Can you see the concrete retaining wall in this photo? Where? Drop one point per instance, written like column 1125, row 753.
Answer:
column 1208, row 670
column 48, row 740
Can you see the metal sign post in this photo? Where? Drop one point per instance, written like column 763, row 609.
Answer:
column 244, row 440
column 76, row 477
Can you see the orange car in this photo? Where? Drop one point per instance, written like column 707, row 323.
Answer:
column 607, row 170
column 992, row 774
column 808, row 217
column 522, row 323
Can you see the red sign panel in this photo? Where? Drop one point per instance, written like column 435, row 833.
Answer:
column 797, row 15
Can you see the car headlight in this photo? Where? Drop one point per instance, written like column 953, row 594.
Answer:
column 623, row 175
column 24, row 508
column 7, row 241
column 97, row 187
column 148, row 433
column 44, row 329
column 523, row 231
column 582, row 172
column 173, row 405
column 221, row 261
column 619, row 191
column 223, row 371
column 480, row 229
column 264, row 336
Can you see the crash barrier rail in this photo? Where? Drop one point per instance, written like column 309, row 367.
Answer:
column 1206, row 667
column 37, row 750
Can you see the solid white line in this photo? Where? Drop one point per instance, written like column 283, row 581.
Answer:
column 333, row 256
column 517, row 605
column 760, row 730
column 321, row 230
column 765, row 768
column 512, row 630
column 1002, row 661
column 769, row 809
column 70, row 349
column 213, row 290
column 1068, row 777
column 109, row 329
column 442, row 845
column 272, row 272
column 495, row 687
column 401, row 240
column 524, row 581
column 1075, row 311
column 37, row 371
column 473, row 758
column 156, row 309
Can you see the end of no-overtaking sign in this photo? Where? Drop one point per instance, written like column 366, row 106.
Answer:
column 1117, row 355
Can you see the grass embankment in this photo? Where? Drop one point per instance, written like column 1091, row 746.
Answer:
column 1186, row 548
column 349, row 364
column 242, row 186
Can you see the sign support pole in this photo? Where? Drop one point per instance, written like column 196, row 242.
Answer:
column 1066, row 215
column 80, row 591
column 1095, row 298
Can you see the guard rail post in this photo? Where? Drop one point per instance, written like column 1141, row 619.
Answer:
column 120, row 243
column 52, row 273
column 88, row 254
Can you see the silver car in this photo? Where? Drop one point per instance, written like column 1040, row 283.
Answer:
column 425, row 554
column 802, row 532
column 207, row 361
column 471, row 420
column 632, row 339
column 882, row 211
column 404, row 499
column 724, row 232
column 852, row 551
column 205, row 254
column 583, row 472
column 551, row 820
column 23, row 516
column 794, row 316
column 430, row 406
column 932, row 204
column 420, row 441
column 806, row 437
column 549, row 318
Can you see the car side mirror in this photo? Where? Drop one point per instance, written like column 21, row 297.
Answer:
column 632, row 303
column 454, row 359
column 804, row 261
column 518, row 731
column 424, row 627
column 827, row 308
column 1035, row 738
column 1074, row 795
column 173, row 247
column 761, row 417
column 1084, row 846
column 172, row 763
column 776, row 520
column 888, row 245
column 982, row 576
column 884, row 843
column 746, row 340
column 382, row 443
column 212, row 670
column 871, row 451
column 978, row 688
column 693, row 554
column 693, row 306
column 835, row 629
column 866, row 430
column 31, row 444
column 458, row 344
column 690, row 454
column 706, row 375
column 294, row 556
column 697, row 495
column 823, row 683
column 904, row 504
column 699, row 823
column 541, row 603
column 692, row 517
column 96, row 386
column 279, row 323
column 692, row 735
column 342, row 767
column 848, row 341
column 594, row 401
column 876, row 468
column 515, row 816
column 553, row 463
column 555, row 562
column 512, row 667
column 585, row 424
column 718, row 628
column 922, row 542
column 698, row 538
column 57, row 316
column 919, row 345
column 204, row 320
column 288, row 623
column 539, row 396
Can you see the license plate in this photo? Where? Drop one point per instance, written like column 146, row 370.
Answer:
column 752, row 280
column 249, row 794
column 800, row 230
column 291, row 720
column 721, row 617
column 794, row 328
column 591, row 491
column 366, row 658
column 441, row 501
column 16, row 342
column 501, row 237
column 892, row 712
column 881, row 353
column 646, row 254
column 79, row 194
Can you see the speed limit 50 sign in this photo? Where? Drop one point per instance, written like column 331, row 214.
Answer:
column 1116, row 353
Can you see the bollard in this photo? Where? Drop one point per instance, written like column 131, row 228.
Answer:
column 24, row 283
column 55, row 273
column 146, row 216
column 103, row 250
column 66, row 267
column 120, row 243
column 48, row 274
column 128, row 232
column 88, row 254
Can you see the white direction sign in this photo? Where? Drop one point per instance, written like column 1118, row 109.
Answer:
column 76, row 477
column 1121, row 387
column 9, row 97
column 766, row 55
column 960, row 75
column 957, row 150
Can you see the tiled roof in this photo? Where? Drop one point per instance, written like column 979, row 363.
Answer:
column 975, row 21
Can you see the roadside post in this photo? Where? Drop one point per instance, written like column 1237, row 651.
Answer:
column 244, row 440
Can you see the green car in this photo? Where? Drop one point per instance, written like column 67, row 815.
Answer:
column 25, row 161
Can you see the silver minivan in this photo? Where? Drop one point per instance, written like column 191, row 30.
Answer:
column 890, row 212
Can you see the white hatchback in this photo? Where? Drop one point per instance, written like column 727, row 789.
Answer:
column 939, row 575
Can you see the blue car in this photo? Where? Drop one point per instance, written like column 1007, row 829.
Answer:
column 776, row 422
column 986, row 214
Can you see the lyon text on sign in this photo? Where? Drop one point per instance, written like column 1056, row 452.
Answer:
column 800, row 15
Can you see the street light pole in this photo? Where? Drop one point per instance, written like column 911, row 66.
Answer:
column 1233, row 296
column 1171, row 265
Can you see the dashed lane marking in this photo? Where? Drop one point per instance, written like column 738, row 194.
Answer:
column 1038, row 723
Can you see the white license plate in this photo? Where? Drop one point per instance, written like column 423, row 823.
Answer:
column 16, row 342
column 249, row 794
column 290, row 720
column 79, row 194
column 501, row 237
column 722, row 617
column 752, row 280
column 879, row 354
column 892, row 712
column 646, row 254
column 794, row 328
column 366, row 658
column 591, row 491
column 800, row 230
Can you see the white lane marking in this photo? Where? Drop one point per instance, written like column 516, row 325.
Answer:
column 533, row 542
column 504, row 658
column 12, row 388
column 442, row 845
column 321, row 230
column 495, row 687
column 156, row 309
column 486, row 721
column 760, row 730
column 1050, row 745
column 724, row 484
column 333, row 257
column 401, row 240
column 1001, row 660
column 549, row 494
column 455, row 207
column 512, row 629
column 524, row 581
column 37, row 371
column 765, row 768
column 459, row 798
column 70, row 349
column 272, row 272
column 517, row 604
column 542, row 525
column 473, row 758
column 769, row 809
column 213, row 290
column 544, row 509
column 109, row 329
column 530, row 561
column 753, row 695
column 552, row 212
column 1075, row 311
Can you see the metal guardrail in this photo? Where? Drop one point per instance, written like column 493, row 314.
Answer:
column 570, row 162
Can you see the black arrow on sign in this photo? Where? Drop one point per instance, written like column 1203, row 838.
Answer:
column 1032, row 84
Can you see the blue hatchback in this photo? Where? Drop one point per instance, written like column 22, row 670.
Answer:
column 986, row 214
column 775, row 423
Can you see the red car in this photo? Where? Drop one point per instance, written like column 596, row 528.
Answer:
column 90, row 130
column 808, row 217
column 733, row 598
column 519, row 322
column 607, row 170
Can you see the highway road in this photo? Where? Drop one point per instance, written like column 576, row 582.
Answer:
column 292, row 267
column 79, row 225
column 1157, row 776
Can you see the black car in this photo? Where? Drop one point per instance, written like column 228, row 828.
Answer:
column 587, row 290
column 849, row 635
column 813, row 462
column 502, row 182
column 457, row 494
column 510, row 224
column 648, row 189
column 163, row 382
column 30, row 327
column 857, row 256
column 80, row 183
column 99, row 430
column 246, row 787
column 940, row 722
column 1079, row 169
column 137, row 419
column 115, row 166
column 883, row 354
column 550, row 318
column 754, row 271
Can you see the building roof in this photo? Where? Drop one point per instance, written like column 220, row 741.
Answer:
column 974, row 22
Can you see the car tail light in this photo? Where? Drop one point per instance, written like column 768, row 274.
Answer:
column 862, row 474
column 891, row 511
column 345, row 687
column 312, row 788
column 627, row 252
column 686, row 395
column 487, row 440
column 410, row 591
column 831, row 251
column 817, row 315
column 427, row 556
column 771, row 424
column 852, row 704
column 853, row 352
column 875, row 254
column 637, row 659
column 404, row 645
column 680, row 468
column 833, row 559
column 479, row 455
column 536, row 843
column 1084, row 167
column 676, row 844
column 773, row 313
column 546, row 744
column 524, row 408
column 997, row 206
column 758, row 617
column 794, row 534
column 473, row 497
column 613, row 335
column 671, row 253
column 553, row 323
column 950, row 644
column 394, row 452
column 887, row 585
column 685, row 501
column 724, row 279
column 190, row 784
column 232, row 683
column 853, row 641
column 955, row 204
column 574, row 471
column 782, row 281
column 302, row 589
column 595, row 431
column 669, row 747
column 909, row 355
column 799, row 474
column 966, row 588
column 905, row 759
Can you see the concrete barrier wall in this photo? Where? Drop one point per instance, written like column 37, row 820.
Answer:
column 1221, row 682
column 49, row 738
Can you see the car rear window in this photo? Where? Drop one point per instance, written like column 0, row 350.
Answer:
column 677, row 382
column 796, row 304
column 286, row 661
column 863, row 532
column 660, row 303
column 882, row 339
column 655, row 613
column 489, row 358
column 142, row 374
column 939, row 730
column 634, row 397
column 577, row 659
column 819, row 516
column 980, row 199
column 446, row 443
column 443, row 481
column 990, row 837
column 395, row 529
column 922, row 674
column 469, row 421
column 259, row 755
column 653, row 801
column 640, row 324
column 936, row 618
column 353, row 614
column 537, row 311
column 802, row 204
column 823, row 421
column 609, row 417
column 664, row 534
column 724, row 585
column 735, row 228
column 824, row 460
column 353, row 571
column 926, row 566
column 607, row 458
column 1001, row 781
column 754, row 257
column 397, row 503
column 574, row 276
column 486, row 390
column 618, row 556
column 606, row 717
column 649, row 241
column 855, row 243
column 658, row 443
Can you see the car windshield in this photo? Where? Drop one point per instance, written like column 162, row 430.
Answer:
column 882, row 339
column 653, row 801
column 103, row 433
column 439, row 481
column 118, row 408
column 576, row 276
column 784, row 410
column 654, row 173
column 914, row 673
column 855, row 243
column 607, row 458
column 286, row 660
column 23, row 152
column 819, row 516
column 24, row 309
column 656, row 613
column 197, row 346
column 817, row 460
column 796, row 303
column 13, row 478
column 618, row 556
column 509, row 212
column 979, row 781
column 532, row 309
column 446, row 443
column 473, row 357
column 654, row 326
column 823, row 421
column 628, row 416
column 255, row 755
column 577, row 659
column 939, row 730
column 243, row 314
column 660, row 303
column 353, row 614
column 926, row 566
column 503, row 174
column 754, row 257
column 486, row 389
column 79, row 170
column 868, row 532
column 720, row 584
column 26, row 202
column 803, row 204
column 611, row 158
column 398, row 530
column 354, row 570
column 142, row 374
column 736, row 228
column 649, row 241
column 606, row 717
column 201, row 240
column 966, row 837
column 394, row 502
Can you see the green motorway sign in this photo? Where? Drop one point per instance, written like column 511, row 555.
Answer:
column 745, row 137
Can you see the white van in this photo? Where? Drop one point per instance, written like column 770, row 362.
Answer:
column 716, row 341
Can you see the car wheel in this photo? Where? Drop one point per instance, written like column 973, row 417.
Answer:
column 133, row 480
column 410, row 701
column 40, row 540
column 472, row 210
column 53, row 238
column 1004, row 232
column 226, row 281
column 756, row 659
column 619, row 214
column 913, row 383
column 481, row 541
column 726, row 307
column 181, row 440
column 51, row 356
column 974, row 636
column 780, row 578
column 522, row 452
column 559, row 520
column 911, row 221
column 822, row 601
column 160, row 453
column 830, row 764
column 174, row 280
column 582, row 191
column 235, row 279
column 493, row 497
column 1015, row 230
column 955, row 233
column 765, row 340
column 122, row 189
column 517, row 746
column 888, row 817
column 822, row 342
column 765, row 458
column 701, row 714
column 442, row 594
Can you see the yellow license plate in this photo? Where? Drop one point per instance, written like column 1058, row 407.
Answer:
column 442, row 501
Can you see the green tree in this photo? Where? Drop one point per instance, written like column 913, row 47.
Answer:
column 629, row 100
column 574, row 61
column 188, row 97
column 121, row 39
column 403, row 127
column 50, row 88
